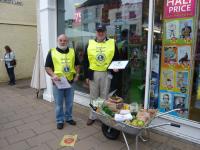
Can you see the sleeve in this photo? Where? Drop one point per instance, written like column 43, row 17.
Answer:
column 86, row 62
column 9, row 57
column 77, row 62
column 116, row 54
column 49, row 61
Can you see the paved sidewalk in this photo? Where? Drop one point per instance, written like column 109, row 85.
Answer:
column 27, row 123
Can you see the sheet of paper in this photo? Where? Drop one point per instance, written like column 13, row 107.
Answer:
column 68, row 140
column 63, row 83
column 118, row 64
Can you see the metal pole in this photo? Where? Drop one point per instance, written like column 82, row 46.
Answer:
column 149, row 51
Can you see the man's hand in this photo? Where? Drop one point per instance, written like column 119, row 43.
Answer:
column 115, row 70
column 87, row 81
column 55, row 78
column 76, row 77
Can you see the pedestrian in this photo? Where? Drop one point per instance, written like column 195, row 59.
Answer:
column 100, row 52
column 10, row 62
column 61, row 62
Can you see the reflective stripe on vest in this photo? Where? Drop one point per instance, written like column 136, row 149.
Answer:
column 64, row 63
column 101, row 54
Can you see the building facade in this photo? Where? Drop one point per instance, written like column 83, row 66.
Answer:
column 18, row 30
column 159, row 38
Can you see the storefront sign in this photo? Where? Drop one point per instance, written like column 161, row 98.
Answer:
column 13, row 2
column 179, row 8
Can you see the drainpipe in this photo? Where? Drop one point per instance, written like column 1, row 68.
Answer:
column 149, row 52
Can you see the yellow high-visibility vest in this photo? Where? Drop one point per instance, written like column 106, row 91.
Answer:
column 100, row 54
column 64, row 63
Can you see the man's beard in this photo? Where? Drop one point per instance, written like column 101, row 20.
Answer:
column 62, row 47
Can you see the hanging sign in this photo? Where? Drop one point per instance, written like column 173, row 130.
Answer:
column 13, row 2
column 179, row 8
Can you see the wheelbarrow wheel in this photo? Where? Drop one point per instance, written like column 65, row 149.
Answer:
column 109, row 132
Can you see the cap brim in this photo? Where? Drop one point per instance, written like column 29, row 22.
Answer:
column 100, row 30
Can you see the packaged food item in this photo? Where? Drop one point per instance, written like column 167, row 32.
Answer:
column 115, row 99
column 124, row 112
column 108, row 111
column 113, row 106
column 126, row 107
column 143, row 115
column 134, row 107
column 121, row 118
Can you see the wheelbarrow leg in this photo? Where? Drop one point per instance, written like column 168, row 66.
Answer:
column 136, row 141
column 128, row 148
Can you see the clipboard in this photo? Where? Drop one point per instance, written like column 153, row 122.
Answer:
column 118, row 64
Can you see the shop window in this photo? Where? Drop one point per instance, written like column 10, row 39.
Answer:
column 129, row 35
column 174, row 80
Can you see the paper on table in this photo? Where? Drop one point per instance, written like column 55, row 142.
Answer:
column 63, row 83
column 118, row 64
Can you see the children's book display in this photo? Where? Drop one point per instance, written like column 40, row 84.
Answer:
column 176, row 56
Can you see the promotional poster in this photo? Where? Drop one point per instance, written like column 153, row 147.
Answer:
column 178, row 31
column 176, row 63
column 179, row 8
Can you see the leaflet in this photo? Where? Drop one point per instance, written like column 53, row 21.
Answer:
column 62, row 83
column 118, row 64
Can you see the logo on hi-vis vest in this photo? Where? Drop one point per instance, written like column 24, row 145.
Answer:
column 100, row 58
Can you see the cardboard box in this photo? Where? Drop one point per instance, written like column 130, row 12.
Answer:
column 113, row 106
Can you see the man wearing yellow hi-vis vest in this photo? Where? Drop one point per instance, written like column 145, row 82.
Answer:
column 100, row 52
column 63, row 65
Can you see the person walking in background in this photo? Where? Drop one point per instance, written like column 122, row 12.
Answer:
column 100, row 52
column 9, row 59
column 62, row 63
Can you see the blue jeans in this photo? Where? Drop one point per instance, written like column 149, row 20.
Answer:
column 63, row 96
column 11, row 74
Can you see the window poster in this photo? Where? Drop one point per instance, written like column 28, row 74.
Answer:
column 176, row 60
column 155, row 80
column 176, row 56
column 167, row 79
column 184, row 55
column 170, row 55
column 172, row 100
column 179, row 8
column 182, row 82
column 178, row 31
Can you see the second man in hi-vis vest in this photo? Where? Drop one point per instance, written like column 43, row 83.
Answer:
column 62, row 63
column 100, row 52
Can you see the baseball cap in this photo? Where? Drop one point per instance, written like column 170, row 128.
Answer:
column 101, row 27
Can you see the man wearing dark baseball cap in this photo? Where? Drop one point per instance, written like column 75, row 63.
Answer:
column 101, row 28
column 99, row 53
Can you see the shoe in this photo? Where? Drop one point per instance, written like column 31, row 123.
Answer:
column 71, row 122
column 60, row 126
column 90, row 122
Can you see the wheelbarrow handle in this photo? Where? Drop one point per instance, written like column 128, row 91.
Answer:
column 167, row 112
column 93, row 107
column 175, row 125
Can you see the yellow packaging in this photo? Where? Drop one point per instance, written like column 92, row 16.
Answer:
column 126, row 107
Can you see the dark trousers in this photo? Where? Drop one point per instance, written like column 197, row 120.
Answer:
column 11, row 74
